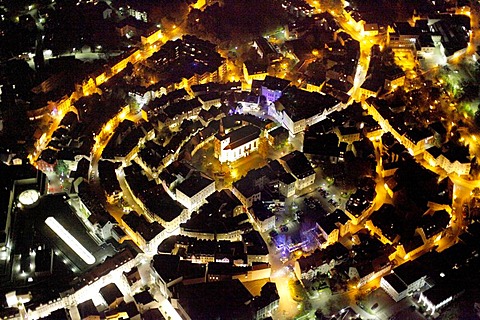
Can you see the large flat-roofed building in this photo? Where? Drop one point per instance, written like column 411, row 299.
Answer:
column 236, row 144
column 193, row 192
column 22, row 183
column 394, row 286
column 441, row 294
column 404, row 280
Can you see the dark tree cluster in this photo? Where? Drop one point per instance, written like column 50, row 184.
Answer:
column 71, row 26
column 237, row 20
column 175, row 11
column 386, row 12
column 16, row 38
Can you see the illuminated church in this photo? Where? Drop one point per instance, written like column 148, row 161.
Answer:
column 236, row 144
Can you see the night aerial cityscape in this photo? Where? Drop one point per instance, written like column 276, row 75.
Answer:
column 239, row 159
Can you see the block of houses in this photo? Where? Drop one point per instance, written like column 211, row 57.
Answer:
column 321, row 261
column 264, row 217
column 416, row 140
column 272, row 88
column 286, row 184
column 145, row 301
column 348, row 134
column 359, row 205
column 410, row 247
column 439, row 133
column 385, row 224
column 165, row 272
column 433, row 225
column 193, row 191
column 394, row 78
column 370, row 29
column 299, row 166
column 367, row 271
column 253, row 70
column 450, row 157
column 267, row 303
column 211, row 99
column 124, row 311
column 245, row 191
column 147, row 235
column 296, row 109
column 371, row 87
column 325, row 146
column 131, row 27
column 214, row 300
column 277, row 136
column 133, row 279
column 266, row 50
column 257, row 249
column 371, row 259
column 334, row 226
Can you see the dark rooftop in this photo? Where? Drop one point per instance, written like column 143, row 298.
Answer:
column 300, row 104
column 140, row 224
column 274, row 83
column 395, row 282
column 215, row 300
column 194, row 185
column 110, row 293
column 241, row 136
column 298, row 164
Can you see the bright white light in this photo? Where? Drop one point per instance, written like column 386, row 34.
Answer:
column 70, row 240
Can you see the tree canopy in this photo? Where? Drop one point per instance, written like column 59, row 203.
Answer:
column 245, row 19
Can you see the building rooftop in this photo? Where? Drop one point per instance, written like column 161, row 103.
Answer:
column 166, row 266
column 254, row 242
column 274, row 83
column 410, row 271
column 261, row 211
column 298, row 164
column 87, row 308
column 241, row 136
column 452, row 151
column 215, row 300
column 446, row 288
column 397, row 284
column 387, row 221
column 435, row 223
column 144, row 297
column 194, row 184
column 140, row 224
column 329, row 223
column 254, row 67
column 300, row 104
column 110, row 293
column 153, row 314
